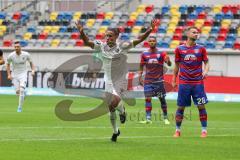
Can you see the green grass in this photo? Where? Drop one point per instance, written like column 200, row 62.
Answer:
column 37, row 134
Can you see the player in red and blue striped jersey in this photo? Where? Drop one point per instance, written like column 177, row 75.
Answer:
column 153, row 60
column 189, row 60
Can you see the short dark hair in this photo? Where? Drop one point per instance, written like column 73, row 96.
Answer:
column 17, row 42
column 116, row 31
column 1, row 53
column 154, row 37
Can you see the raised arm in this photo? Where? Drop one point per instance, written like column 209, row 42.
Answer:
column 84, row 37
column 145, row 35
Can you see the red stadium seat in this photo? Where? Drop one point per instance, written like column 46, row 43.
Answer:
column 79, row 43
column 236, row 45
column 221, row 37
column 100, row 36
column 223, row 30
column 190, row 22
column 177, row 37
column 43, row 36
column 225, row 9
column 149, row 8
column 145, row 44
column 202, row 15
column 75, row 35
column 100, row 15
column 7, row 43
column 234, row 9
column 130, row 23
column 208, row 22
column 179, row 29
column 16, row 16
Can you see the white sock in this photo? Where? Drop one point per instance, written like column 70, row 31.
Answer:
column 120, row 107
column 21, row 97
column 113, row 119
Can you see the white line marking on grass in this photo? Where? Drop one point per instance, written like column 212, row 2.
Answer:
column 104, row 127
column 101, row 138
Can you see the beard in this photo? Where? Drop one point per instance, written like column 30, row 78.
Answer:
column 193, row 39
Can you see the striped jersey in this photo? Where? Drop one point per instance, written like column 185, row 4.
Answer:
column 153, row 62
column 190, row 63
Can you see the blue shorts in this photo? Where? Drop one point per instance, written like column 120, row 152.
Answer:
column 186, row 91
column 154, row 90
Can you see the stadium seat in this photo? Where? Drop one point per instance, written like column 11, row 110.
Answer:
column 3, row 29
column 54, row 29
column 68, row 16
column 7, row 43
column 171, row 30
column 231, row 37
column 177, row 37
column 236, row 45
column 141, row 8
column 219, row 16
column 221, row 37
column 3, row 15
column 199, row 9
column 183, row 9
column 174, row 44
column 63, row 29
column 149, row 8
column 130, row 23
column 225, row 23
column 53, row 16
column 189, row 22
column 201, row 15
column 165, row 9
column 174, row 9
column 199, row 23
column 109, row 15
column 125, row 36
column 27, row 36
column 206, row 29
column 223, row 30
column 208, row 22
column 226, row 8
column 76, row 16
column 43, row 36
column 228, row 44
column 31, row 29
column 100, row 36
column 219, row 45
column 75, row 35
column 23, row 43
column 234, row 9
column 17, row 16
column 106, row 22
column 90, row 22
column 79, row 43
column 102, row 29
column 179, row 30
column 210, row 45
column 163, row 45
column 190, row 9
column 55, row 43
column 217, row 8
column 136, row 29
column 100, row 15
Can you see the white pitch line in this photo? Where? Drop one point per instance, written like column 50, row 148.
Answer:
column 102, row 138
column 104, row 127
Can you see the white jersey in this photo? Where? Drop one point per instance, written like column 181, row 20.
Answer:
column 19, row 63
column 114, row 59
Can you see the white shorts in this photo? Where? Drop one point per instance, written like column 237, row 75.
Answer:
column 20, row 81
column 118, row 88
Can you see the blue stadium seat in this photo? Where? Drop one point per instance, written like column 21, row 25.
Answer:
column 165, row 9
column 228, row 15
column 139, row 23
column 199, row 9
column 231, row 37
column 23, row 43
column 210, row 45
column 192, row 15
column 106, row 22
column 125, row 36
column 63, row 29
column 60, row 16
column 215, row 29
column 219, row 16
column 162, row 29
column 228, row 44
column 2, row 15
column 163, row 45
column 68, row 16
column 183, row 9
column 31, row 29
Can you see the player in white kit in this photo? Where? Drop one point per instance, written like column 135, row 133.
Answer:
column 113, row 55
column 18, row 60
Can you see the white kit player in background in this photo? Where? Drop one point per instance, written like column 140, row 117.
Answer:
column 18, row 60
column 113, row 55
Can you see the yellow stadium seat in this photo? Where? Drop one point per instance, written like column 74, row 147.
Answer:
column 176, row 14
column 77, row 16
column 171, row 30
column 136, row 29
column 102, row 29
column 133, row 16
column 217, row 8
column 55, row 43
column 109, row 15
column 27, row 36
column 199, row 23
column 47, row 29
column 55, row 29
column 1, row 21
column 141, row 8
column 174, row 9
column 174, row 44
column 206, row 29
column 173, row 22
column 3, row 28
column 90, row 22
column 53, row 16
column 1, row 33
column 225, row 22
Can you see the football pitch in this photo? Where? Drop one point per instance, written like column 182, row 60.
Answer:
column 37, row 133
